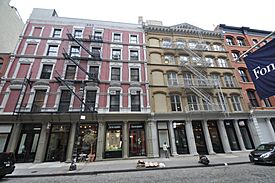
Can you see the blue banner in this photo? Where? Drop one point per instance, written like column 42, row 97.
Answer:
column 261, row 67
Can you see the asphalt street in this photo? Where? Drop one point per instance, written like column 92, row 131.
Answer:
column 244, row 173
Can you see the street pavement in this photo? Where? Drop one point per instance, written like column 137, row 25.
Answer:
column 125, row 165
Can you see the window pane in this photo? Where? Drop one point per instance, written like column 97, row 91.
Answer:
column 70, row 72
column 65, row 100
column 90, row 100
column 114, row 101
column 115, row 74
column 46, row 72
column 135, row 101
column 134, row 74
column 38, row 100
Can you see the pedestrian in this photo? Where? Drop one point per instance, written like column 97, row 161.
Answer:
column 165, row 149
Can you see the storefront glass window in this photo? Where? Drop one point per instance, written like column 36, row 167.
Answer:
column 245, row 134
column 4, row 135
column 180, row 138
column 113, row 148
column 231, row 134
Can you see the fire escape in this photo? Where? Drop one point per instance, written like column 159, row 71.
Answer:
column 198, row 83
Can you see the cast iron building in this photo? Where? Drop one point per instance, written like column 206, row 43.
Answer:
column 196, row 102
column 238, row 40
column 76, row 86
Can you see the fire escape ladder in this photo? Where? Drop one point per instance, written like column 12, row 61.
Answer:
column 202, row 93
column 90, row 75
column 26, row 82
column 72, row 38
column 65, row 83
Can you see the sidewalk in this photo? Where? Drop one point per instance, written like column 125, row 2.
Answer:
column 112, row 166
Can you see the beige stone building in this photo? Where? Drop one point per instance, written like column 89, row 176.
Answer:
column 197, row 105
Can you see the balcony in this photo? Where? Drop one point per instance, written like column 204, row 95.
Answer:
column 191, row 83
column 203, row 108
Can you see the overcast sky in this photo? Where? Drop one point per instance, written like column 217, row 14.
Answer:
column 205, row 14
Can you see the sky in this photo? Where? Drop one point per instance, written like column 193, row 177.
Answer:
column 206, row 14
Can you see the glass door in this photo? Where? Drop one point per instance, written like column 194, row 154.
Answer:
column 137, row 140
column 58, row 142
column 231, row 134
column 215, row 137
column 199, row 137
column 180, row 138
column 27, row 146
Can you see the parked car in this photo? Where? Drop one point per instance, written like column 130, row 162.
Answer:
column 264, row 154
column 7, row 163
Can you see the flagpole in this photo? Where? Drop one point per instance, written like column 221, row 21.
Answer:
column 269, row 35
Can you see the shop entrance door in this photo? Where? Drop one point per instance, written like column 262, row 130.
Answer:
column 199, row 137
column 180, row 138
column 58, row 142
column 113, row 148
column 215, row 137
column 231, row 134
column 137, row 140
column 245, row 134
column 27, row 146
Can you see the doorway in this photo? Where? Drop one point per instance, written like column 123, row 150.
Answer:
column 215, row 137
column 231, row 134
column 180, row 138
column 58, row 142
column 137, row 140
column 199, row 137
column 28, row 142
column 245, row 134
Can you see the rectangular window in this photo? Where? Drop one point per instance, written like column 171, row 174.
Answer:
column 70, row 72
column 114, row 100
column 115, row 74
column 93, row 72
column 56, row 33
column 267, row 102
column 97, row 52
column 243, row 75
column 38, row 100
column 222, row 62
column 228, row 79
column 175, row 103
column 116, row 54
column 98, row 35
column 135, row 101
column 30, row 50
column 134, row 74
column 134, row 55
column 90, row 100
column 52, row 50
column 46, row 71
column 252, row 99
column 75, row 51
column 172, row 79
column 229, row 41
column 193, row 102
column 78, row 33
column 65, row 100
column 133, row 39
column 236, row 103
column 37, row 31
column 117, row 37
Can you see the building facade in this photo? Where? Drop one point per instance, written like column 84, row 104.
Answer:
column 76, row 87
column 238, row 40
column 197, row 104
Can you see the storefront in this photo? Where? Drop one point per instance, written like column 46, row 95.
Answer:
column 27, row 146
column 215, row 137
column 5, row 131
column 137, row 143
column 248, row 143
column 163, row 136
column 180, row 138
column 199, row 137
column 58, row 142
column 113, row 143
column 86, row 142
column 231, row 134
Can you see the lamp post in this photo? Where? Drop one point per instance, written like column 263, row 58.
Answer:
column 76, row 140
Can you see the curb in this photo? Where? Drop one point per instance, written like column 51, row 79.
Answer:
column 123, row 170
